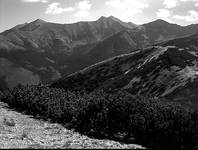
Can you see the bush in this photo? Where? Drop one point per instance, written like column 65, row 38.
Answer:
column 120, row 116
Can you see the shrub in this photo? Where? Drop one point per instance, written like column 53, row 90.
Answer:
column 120, row 116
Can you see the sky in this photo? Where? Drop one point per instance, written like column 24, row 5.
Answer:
column 14, row 12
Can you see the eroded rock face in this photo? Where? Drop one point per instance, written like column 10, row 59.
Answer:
column 158, row 72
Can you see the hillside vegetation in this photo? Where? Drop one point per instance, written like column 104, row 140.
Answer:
column 119, row 116
column 18, row 130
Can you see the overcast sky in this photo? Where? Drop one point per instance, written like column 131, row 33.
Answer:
column 13, row 12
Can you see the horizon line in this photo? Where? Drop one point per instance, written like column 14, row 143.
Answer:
column 97, row 20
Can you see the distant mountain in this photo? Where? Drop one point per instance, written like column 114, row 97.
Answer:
column 129, row 25
column 184, row 42
column 140, row 37
column 160, row 30
column 43, row 51
column 157, row 71
column 47, row 50
column 119, row 43
column 53, row 37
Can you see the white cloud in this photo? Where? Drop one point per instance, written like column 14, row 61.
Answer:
column 163, row 13
column 173, row 3
column 191, row 17
column 83, row 9
column 179, row 17
column 54, row 8
column 196, row 1
column 170, row 3
column 125, row 9
column 127, row 4
column 81, row 13
column 84, row 5
column 34, row 1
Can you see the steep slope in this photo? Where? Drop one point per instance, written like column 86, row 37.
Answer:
column 96, row 75
column 160, row 30
column 64, row 37
column 183, row 42
column 158, row 72
column 120, row 43
column 47, row 51
column 129, row 25
column 140, row 37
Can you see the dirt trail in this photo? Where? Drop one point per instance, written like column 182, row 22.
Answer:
column 23, row 131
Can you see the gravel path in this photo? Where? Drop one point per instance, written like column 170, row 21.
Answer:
column 22, row 131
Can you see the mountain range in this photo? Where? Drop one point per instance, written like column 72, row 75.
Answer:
column 160, row 72
column 44, row 52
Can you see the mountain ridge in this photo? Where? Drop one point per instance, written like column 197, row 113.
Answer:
column 50, row 50
column 161, row 72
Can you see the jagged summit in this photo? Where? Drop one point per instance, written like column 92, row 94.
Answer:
column 33, row 25
column 67, row 48
column 128, row 25
column 102, row 17
column 111, row 18
column 114, row 18
column 38, row 21
column 161, row 22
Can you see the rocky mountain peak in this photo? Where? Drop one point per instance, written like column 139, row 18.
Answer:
column 112, row 19
column 38, row 21
column 33, row 25
column 103, row 18
column 158, row 22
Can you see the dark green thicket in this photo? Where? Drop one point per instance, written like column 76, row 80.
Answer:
column 120, row 116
